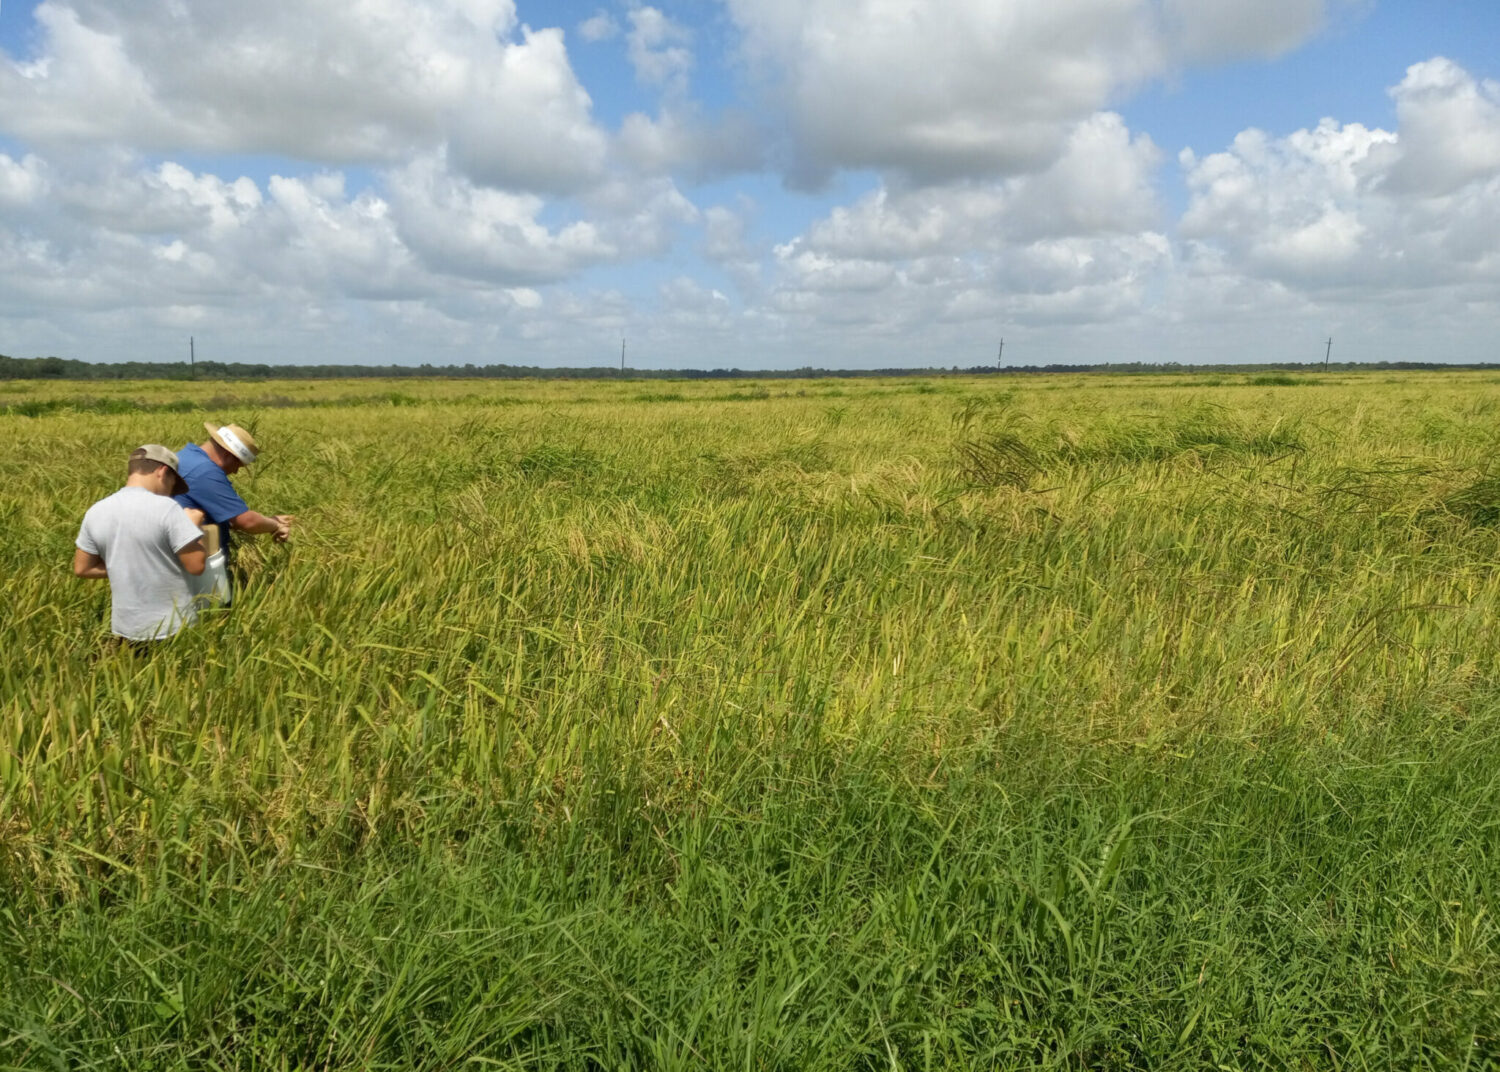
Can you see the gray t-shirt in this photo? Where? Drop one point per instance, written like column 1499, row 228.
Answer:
column 138, row 534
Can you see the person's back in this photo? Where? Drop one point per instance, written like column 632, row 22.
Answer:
column 146, row 546
column 207, row 467
column 211, row 492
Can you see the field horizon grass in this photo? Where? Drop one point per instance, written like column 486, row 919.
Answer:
column 1085, row 722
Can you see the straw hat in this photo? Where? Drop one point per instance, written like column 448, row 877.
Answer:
column 234, row 439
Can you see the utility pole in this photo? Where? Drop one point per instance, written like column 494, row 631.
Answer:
column 1328, row 351
column 1000, row 357
column 192, row 360
column 622, row 354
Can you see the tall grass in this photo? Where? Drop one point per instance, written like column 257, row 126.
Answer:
column 1119, row 726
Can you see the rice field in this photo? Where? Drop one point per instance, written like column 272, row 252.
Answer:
column 1070, row 722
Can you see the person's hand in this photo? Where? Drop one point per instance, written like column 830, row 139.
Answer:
column 283, row 527
column 196, row 516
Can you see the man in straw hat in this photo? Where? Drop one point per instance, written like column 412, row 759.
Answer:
column 146, row 546
column 208, row 466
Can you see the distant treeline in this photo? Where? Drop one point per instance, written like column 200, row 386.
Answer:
column 59, row 368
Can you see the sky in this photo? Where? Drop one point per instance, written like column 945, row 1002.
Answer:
column 750, row 183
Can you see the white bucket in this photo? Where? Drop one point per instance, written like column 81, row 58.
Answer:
column 211, row 587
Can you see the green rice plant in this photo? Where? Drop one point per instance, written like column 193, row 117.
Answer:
column 1093, row 726
column 1477, row 502
column 1278, row 379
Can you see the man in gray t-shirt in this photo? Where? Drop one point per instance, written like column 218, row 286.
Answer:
column 145, row 545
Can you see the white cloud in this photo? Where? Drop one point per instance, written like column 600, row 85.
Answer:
column 432, row 184
column 1289, row 206
column 22, row 182
column 145, row 241
column 1450, row 131
column 527, row 125
column 121, row 240
column 681, row 140
column 806, row 270
column 464, row 230
column 1075, row 243
column 976, row 88
column 600, row 26
column 225, row 203
column 1055, row 281
column 1101, row 183
column 86, row 85
column 113, row 193
column 333, row 246
column 685, row 298
column 660, row 50
column 724, row 234
column 1344, row 227
column 1198, row 31
column 726, row 243
column 334, row 83
column 641, row 216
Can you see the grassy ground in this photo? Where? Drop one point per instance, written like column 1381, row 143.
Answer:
column 1076, row 722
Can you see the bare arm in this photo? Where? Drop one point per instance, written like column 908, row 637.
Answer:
column 88, row 566
column 193, row 557
column 254, row 522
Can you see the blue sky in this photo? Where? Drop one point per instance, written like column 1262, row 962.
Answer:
column 1344, row 72
column 750, row 183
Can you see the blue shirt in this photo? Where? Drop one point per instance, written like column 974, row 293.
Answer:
column 209, row 489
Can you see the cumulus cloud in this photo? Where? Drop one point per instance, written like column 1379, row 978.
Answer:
column 687, row 302
column 526, row 125
column 1341, row 206
column 600, row 26
column 1195, row 31
column 727, row 245
column 1450, row 131
column 125, row 238
column 681, row 140
column 462, row 229
column 327, row 243
column 724, row 237
column 1101, row 183
column 1368, row 231
column 116, row 194
column 166, row 238
column 974, row 88
column 641, row 216
column 22, row 182
column 1079, row 241
column 1290, row 206
column 660, row 50
column 337, row 84
column 430, row 174
column 1075, row 280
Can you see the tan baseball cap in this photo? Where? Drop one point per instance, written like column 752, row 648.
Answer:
column 155, row 452
column 234, row 439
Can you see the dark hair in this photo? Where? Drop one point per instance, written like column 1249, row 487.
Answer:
column 140, row 464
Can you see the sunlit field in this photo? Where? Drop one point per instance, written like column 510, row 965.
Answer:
column 1086, row 722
